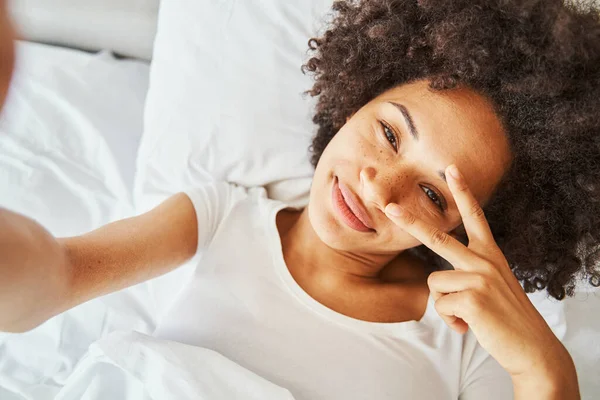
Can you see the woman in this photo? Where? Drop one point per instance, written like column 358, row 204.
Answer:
column 429, row 113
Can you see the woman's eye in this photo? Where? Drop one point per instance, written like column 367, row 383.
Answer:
column 434, row 197
column 390, row 136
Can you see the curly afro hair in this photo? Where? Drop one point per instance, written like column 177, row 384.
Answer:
column 538, row 61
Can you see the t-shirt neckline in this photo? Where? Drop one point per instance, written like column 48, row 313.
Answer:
column 307, row 300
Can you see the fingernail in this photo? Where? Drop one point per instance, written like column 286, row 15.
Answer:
column 394, row 210
column 453, row 170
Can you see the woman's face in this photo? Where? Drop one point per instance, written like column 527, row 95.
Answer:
column 6, row 52
column 395, row 149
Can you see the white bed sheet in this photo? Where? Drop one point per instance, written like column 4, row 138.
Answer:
column 68, row 141
column 69, row 133
column 136, row 366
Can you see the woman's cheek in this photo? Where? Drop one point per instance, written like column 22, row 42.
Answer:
column 398, row 240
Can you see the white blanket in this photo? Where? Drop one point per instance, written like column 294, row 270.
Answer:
column 136, row 366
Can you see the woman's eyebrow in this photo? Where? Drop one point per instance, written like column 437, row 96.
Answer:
column 407, row 117
column 413, row 130
column 442, row 175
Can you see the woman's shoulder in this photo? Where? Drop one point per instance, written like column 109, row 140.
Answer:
column 219, row 205
column 223, row 192
column 221, row 198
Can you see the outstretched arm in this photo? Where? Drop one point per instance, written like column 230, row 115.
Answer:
column 41, row 276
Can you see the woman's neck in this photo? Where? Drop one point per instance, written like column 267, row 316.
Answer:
column 303, row 247
column 370, row 288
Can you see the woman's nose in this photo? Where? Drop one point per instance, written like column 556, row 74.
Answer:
column 374, row 192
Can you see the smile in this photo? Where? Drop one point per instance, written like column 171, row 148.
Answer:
column 349, row 208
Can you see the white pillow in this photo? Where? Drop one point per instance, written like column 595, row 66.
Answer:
column 226, row 98
column 124, row 26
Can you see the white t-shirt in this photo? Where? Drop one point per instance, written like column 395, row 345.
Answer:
column 243, row 302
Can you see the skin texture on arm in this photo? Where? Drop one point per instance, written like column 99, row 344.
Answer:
column 558, row 384
column 131, row 251
column 41, row 277
column 33, row 270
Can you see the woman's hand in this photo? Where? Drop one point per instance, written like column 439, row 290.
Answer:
column 41, row 276
column 482, row 293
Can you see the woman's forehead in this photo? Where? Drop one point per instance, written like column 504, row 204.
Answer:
column 456, row 126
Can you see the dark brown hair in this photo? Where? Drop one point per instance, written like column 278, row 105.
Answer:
column 538, row 61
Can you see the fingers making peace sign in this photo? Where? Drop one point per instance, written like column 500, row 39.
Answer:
column 481, row 292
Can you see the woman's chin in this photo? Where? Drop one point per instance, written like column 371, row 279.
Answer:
column 335, row 235
column 328, row 229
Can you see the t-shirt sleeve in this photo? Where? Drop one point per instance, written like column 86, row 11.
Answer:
column 481, row 375
column 212, row 203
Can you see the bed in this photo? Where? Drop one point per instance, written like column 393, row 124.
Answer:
column 68, row 139
column 70, row 135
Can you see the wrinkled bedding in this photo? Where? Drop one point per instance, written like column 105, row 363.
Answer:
column 68, row 142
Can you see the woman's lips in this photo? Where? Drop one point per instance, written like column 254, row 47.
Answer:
column 350, row 209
